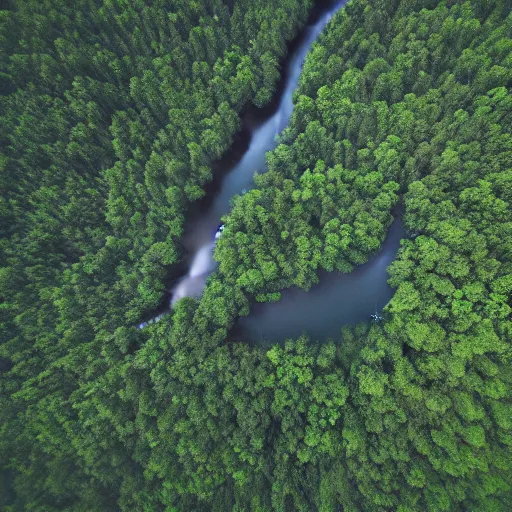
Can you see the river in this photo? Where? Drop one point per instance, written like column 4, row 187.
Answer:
column 236, row 170
column 338, row 299
column 344, row 298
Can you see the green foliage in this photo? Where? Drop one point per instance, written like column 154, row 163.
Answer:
column 112, row 114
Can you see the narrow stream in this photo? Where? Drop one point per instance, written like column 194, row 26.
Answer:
column 199, row 240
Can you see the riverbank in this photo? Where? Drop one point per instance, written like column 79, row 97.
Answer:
column 234, row 172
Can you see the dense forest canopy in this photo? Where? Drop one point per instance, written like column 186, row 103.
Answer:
column 112, row 114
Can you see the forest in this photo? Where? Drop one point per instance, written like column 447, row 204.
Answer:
column 112, row 116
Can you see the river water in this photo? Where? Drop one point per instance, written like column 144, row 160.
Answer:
column 339, row 298
column 238, row 177
column 199, row 241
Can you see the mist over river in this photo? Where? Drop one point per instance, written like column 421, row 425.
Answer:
column 237, row 177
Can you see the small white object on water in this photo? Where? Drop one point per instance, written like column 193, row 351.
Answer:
column 219, row 231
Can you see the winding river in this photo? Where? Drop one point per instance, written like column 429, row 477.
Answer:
column 338, row 298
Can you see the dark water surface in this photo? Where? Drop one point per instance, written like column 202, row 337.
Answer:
column 338, row 299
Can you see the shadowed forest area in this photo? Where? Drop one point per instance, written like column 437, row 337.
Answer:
column 113, row 113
